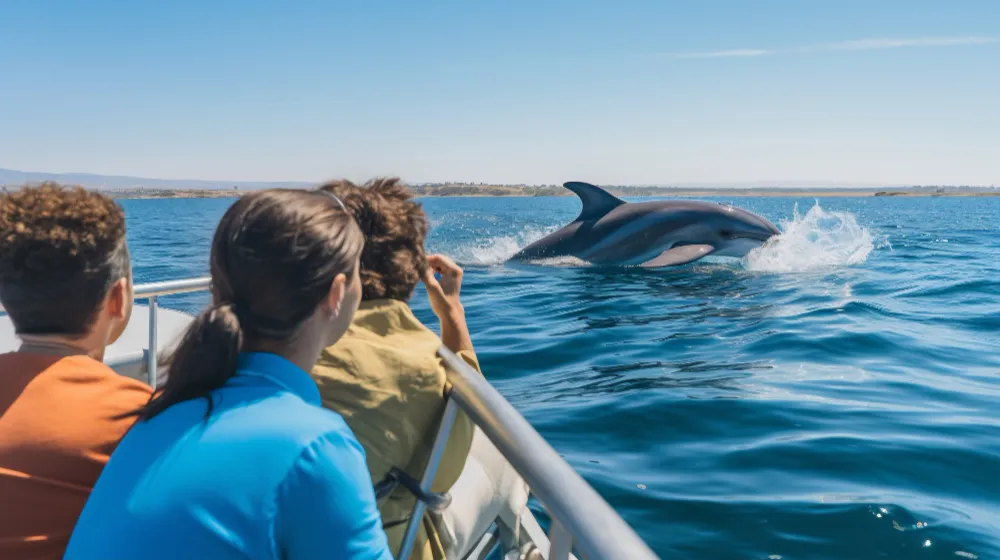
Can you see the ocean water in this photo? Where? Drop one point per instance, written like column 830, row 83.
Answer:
column 834, row 396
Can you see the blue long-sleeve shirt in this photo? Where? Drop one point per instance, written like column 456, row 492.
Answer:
column 270, row 474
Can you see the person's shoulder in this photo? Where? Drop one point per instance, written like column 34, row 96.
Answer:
column 88, row 371
column 339, row 437
column 114, row 398
column 76, row 400
column 380, row 336
column 390, row 317
column 333, row 452
column 27, row 363
column 301, row 421
column 322, row 420
column 324, row 441
column 79, row 375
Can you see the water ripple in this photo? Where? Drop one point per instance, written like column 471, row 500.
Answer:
column 737, row 410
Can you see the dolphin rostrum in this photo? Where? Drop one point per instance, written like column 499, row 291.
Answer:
column 610, row 231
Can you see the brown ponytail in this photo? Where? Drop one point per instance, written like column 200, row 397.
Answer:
column 274, row 257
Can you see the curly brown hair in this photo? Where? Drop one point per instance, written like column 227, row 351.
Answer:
column 394, row 226
column 61, row 250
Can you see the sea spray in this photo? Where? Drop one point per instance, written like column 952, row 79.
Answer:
column 819, row 239
column 496, row 250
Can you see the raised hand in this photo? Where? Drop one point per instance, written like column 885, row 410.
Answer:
column 446, row 303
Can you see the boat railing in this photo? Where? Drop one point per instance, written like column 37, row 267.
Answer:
column 582, row 521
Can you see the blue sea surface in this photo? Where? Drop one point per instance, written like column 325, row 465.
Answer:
column 833, row 396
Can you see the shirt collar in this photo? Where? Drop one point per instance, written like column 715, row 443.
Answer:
column 379, row 314
column 382, row 304
column 281, row 372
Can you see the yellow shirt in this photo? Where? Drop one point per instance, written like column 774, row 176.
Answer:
column 385, row 378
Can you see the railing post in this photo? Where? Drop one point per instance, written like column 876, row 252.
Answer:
column 151, row 354
column 440, row 442
column 560, row 541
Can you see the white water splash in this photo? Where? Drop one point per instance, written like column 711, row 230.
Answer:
column 820, row 239
column 496, row 250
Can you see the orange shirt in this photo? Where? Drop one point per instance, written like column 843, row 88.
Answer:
column 56, row 433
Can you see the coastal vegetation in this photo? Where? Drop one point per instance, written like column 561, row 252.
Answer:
column 470, row 189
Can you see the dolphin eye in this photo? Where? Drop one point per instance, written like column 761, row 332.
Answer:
column 726, row 233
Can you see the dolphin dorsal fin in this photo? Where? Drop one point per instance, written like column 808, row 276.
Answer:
column 596, row 201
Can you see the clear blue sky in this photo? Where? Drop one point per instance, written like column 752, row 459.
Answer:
column 887, row 91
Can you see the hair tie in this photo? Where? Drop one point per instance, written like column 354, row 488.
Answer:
column 335, row 199
column 238, row 306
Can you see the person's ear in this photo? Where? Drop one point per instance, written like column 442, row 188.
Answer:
column 118, row 299
column 335, row 298
column 118, row 306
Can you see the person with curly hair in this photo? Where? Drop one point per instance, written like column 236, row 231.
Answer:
column 384, row 375
column 66, row 284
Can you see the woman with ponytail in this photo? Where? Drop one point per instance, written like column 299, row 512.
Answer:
column 234, row 457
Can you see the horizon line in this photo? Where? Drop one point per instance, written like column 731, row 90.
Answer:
column 738, row 184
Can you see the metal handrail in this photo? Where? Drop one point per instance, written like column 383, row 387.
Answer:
column 596, row 529
column 171, row 287
column 582, row 519
column 151, row 291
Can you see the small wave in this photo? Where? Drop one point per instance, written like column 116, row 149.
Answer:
column 817, row 240
column 567, row 261
column 496, row 250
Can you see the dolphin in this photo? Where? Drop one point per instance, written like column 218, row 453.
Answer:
column 610, row 231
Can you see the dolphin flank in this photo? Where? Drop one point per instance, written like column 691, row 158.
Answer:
column 610, row 231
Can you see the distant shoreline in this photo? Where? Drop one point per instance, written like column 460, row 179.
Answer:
column 128, row 187
column 504, row 192
column 169, row 193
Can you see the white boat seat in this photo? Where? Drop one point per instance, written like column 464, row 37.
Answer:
column 488, row 488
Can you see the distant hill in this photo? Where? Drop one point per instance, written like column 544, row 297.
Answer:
column 11, row 177
column 122, row 182
column 142, row 187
